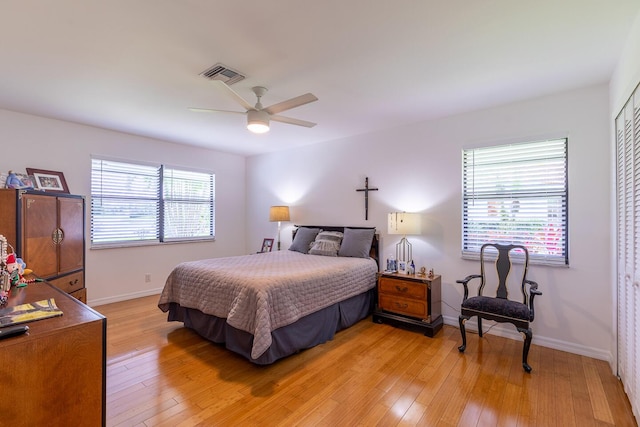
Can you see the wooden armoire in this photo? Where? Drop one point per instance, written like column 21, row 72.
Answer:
column 47, row 231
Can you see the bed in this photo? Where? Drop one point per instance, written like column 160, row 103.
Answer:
column 270, row 305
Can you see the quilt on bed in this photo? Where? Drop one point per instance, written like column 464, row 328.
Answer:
column 263, row 292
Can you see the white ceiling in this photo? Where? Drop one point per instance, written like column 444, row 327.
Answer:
column 134, row 65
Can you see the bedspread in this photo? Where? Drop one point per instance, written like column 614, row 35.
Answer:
column 263, row 292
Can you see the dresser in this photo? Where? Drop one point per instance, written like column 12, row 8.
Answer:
column 47, row 232
column 411, row 301
column 55, row 374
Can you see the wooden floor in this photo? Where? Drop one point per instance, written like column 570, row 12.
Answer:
column 161, row 374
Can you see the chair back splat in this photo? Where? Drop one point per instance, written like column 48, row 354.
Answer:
column 500, row 308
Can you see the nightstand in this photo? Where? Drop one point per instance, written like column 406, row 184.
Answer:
column 411, row 301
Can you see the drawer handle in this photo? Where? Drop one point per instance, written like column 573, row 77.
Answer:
column 405, row 305
column 399, row 289
column 57, row 236
column 73, row 282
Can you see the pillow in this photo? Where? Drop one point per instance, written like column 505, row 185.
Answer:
column 327, row 243
column 304, row 238
column 357, row 242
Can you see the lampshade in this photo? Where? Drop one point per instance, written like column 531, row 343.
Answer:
column 404, row 223
column 279, row 213
column 258, row 121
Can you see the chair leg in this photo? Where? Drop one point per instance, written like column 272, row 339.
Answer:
column 525, row 350
column 463, row 332
column 480, row 326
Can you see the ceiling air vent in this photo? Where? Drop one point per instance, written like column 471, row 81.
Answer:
column 222, row 73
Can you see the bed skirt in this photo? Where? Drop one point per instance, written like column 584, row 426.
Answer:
column 307, row 332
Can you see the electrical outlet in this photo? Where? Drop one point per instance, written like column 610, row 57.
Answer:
column 147, row 278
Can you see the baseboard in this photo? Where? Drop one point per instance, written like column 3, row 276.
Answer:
column 511, row 333
column 124, row 297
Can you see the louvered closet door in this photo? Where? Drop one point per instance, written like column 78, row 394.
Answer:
column 632, row 288
column 628, row 243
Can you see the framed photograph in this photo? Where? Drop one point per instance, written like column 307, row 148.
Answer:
column 267, row 245
column 49, row 180
column 27, row 180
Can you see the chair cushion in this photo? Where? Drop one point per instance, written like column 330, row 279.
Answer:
column 498, row 306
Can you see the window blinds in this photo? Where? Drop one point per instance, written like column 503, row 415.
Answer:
column 124, row 202
column 133, row 204
column 188, row 204
column 517, row 193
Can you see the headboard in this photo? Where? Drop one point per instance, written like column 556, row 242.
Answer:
column 374, row 252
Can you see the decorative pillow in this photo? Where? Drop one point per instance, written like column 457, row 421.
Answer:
column 303, row 240
column 327, row 243
column 357, row 242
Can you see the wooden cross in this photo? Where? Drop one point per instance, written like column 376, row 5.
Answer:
column 366, row 190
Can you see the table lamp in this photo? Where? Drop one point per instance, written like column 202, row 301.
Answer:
column 404, row 223
column 279, row 213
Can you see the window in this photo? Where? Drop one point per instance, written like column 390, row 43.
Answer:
column 135, row 204
column 517, row 193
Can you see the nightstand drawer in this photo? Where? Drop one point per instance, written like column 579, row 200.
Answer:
column 402, row 288
column 69, row 283
column 406, row 306
column 80, row 294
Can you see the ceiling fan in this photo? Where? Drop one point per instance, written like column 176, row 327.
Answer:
column 258, row 117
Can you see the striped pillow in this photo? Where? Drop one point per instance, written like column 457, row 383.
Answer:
column 327, row 243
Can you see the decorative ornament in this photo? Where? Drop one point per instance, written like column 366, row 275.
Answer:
column 5, row 274
column 5, row 280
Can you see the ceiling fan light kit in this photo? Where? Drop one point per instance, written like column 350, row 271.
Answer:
column 258, row 117
column 258, row 121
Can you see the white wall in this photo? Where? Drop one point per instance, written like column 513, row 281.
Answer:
column 118, row 274
column 418, row 169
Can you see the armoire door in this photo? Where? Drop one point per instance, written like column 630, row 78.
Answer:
column 40, row 220
column 71, row 224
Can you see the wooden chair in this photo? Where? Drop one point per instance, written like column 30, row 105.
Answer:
column 499, row 308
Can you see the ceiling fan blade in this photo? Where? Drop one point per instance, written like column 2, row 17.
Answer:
column 240, row 100
column 291, row 103
column 291, row 121
column 209, row 110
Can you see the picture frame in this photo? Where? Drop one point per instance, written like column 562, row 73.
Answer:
column 50, row 181
column 402, row 267
column 27, row 180
column 267, row 245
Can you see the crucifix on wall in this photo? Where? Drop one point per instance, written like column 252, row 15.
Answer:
column 366, row 190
